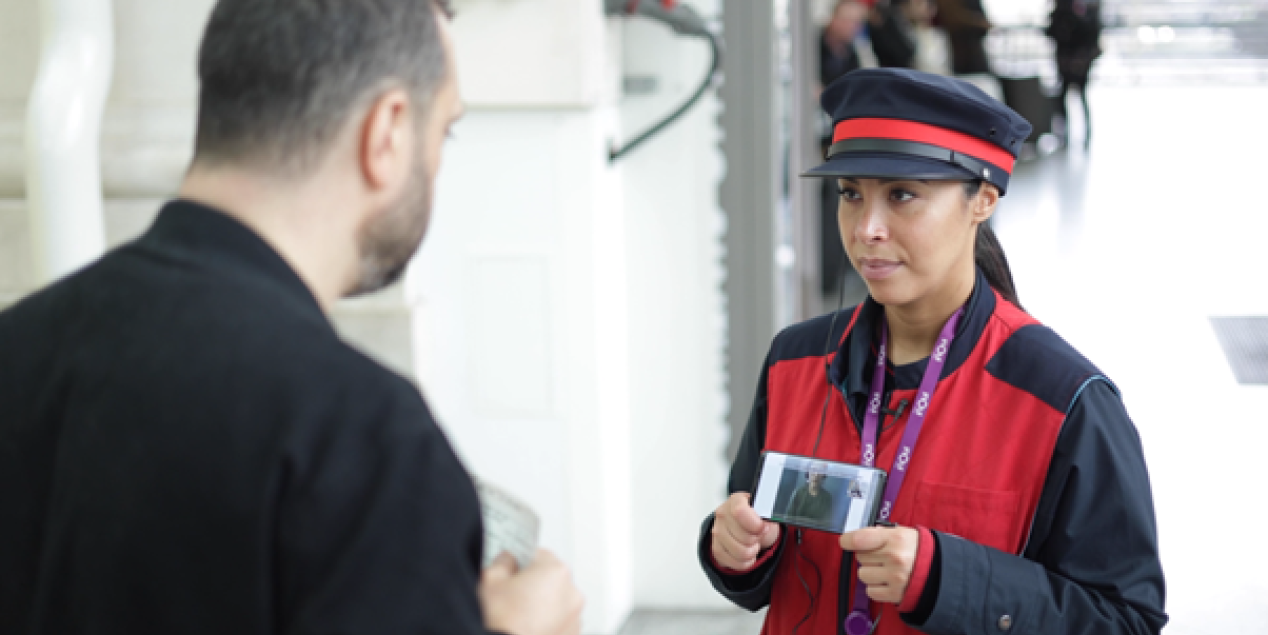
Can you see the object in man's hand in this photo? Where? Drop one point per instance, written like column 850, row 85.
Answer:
column 509, row 525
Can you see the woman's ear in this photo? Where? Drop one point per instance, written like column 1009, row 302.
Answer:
column 985, row 202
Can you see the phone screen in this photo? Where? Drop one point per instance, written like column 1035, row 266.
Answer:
column 817, row 494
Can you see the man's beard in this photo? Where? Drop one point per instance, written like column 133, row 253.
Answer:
column 389, row 242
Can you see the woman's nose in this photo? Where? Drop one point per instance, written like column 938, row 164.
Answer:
column 871, row 226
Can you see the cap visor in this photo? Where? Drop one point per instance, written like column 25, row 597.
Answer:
column 889, row 166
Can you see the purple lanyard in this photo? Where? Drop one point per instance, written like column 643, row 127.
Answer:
column 859, row 622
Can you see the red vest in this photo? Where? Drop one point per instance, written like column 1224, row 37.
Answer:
column 978, row 470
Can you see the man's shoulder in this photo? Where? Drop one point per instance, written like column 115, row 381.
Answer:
column 263, row 342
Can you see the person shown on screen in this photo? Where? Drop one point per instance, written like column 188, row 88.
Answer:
column 811, row 501
column 186, row 444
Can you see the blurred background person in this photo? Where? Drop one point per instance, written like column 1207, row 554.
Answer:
column 933, row 50
column 838, row 54
column 891, row 34
column 1075, row 27
column 967, row 26
column 904, row 36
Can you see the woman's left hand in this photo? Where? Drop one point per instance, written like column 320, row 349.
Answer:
column 886, row 556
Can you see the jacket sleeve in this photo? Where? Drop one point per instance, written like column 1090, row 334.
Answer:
column 1092, row 563
column 751, row 589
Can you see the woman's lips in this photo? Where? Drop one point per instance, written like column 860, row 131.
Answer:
column 878, row 269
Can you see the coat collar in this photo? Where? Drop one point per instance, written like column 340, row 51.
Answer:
column 851, row 369
column 196, row 235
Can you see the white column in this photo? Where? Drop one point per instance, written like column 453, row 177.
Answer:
column 63, row 177
column 524, row 346
column 674, row 229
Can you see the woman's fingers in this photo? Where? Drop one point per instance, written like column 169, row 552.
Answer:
column 885, row 594
column 743, row 514
column 770, row 534
column 737, row 533
column 740, row 556
column 886, row 557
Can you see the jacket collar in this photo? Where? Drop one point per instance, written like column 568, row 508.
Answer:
column 851, row 370
column 202, row 237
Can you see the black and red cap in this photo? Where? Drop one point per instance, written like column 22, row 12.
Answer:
column 891, row 123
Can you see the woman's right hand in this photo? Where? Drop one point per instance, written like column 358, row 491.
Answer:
column 739, row 534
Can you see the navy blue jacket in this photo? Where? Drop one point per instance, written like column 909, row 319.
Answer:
column 1091, row 564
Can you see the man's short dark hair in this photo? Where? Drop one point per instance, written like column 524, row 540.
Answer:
column 279, row 78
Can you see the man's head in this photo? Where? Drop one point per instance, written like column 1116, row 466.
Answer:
column 364, row 90
column 847, row 20
column 816, row 475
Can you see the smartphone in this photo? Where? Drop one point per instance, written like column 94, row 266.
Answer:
column 816, row 493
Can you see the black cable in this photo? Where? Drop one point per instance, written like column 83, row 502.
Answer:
column 714, row 67
column 823, row 418
column 818, row 581
column 898, row 414
column 827, row 350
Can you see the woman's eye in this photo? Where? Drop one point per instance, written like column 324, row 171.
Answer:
column 901, row 196
column 849, row 193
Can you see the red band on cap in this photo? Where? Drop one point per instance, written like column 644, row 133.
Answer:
column 924, row 133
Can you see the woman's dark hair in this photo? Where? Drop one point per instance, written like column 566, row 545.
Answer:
column 989, row 255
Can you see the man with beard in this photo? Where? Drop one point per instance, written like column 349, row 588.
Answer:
column 186, row 446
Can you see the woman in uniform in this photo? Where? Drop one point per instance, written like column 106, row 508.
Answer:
column 1019, row 496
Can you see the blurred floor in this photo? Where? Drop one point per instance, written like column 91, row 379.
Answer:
column 1127, row 250
column 733, row 622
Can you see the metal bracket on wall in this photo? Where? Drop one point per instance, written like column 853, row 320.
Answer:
column 684, row 21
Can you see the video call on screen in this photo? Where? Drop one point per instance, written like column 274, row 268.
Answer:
column 813, row 493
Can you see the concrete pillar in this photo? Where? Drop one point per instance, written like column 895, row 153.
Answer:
column 63, row 176
column 752, row 97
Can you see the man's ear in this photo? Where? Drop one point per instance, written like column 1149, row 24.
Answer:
column 985, row 202
column 384, row 153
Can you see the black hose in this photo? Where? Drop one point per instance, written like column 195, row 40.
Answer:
column 714, row 67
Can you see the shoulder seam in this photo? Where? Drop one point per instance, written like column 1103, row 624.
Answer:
column 1088, row 382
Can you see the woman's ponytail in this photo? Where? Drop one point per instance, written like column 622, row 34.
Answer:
column 989, row 256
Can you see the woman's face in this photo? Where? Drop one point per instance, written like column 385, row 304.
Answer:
column 910, row 239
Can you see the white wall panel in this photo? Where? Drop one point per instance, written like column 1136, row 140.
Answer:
column 148, row 136
column 19, row 59
column 533, row 53
column 677, row 320
column 523, row 277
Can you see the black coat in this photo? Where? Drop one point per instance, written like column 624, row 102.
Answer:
column 1075, row 27
column 893, row 40
column 831, row 66
column 186, row 446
